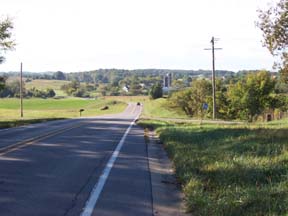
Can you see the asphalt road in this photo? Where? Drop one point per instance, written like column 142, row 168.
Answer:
column 54, row 168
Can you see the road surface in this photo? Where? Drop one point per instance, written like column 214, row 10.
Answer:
column 84, row 166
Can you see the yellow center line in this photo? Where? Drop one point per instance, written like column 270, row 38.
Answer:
column 22, row 144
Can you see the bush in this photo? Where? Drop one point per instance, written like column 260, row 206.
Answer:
column 156, row 91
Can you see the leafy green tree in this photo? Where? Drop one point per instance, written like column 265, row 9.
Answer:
column 182, row 99
column 2, row 83
column 178, row 84
column 201, row 91
column 73, row 88
column 235, row 97
column 50, row 92
column 6, row 43
column 13, row 88
column 222, row 102
column 273, row 23
column 59, row 75
column 135, row 88
column 80, row 92
column 250, row 96
column 102, row 89
column 191, row 100
column 278, row 102
column 156, row 91
column 40, row 93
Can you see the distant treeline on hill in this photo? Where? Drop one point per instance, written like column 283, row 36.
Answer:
column 115, row 75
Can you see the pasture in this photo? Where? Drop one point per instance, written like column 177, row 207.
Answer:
column 49, row 109
column 44, row 84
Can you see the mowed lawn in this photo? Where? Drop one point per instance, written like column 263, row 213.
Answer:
column 55, row 108
column 229, row 169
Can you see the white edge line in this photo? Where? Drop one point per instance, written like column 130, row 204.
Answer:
column 94, row 195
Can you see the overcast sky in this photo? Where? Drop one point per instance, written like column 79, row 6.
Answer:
column 77, row 35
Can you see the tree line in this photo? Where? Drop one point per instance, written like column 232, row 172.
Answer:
column 246, row 98
column 12, row 89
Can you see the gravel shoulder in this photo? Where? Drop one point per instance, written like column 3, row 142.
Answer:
column 168, row 199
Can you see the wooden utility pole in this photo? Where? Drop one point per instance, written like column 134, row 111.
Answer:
column 213, row 74
column 21, row 90
column 213, row 77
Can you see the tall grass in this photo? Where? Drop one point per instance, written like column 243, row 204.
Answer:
column 229, row 170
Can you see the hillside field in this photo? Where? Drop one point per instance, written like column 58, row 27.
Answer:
column 42, row 84
column 152, row 108
column 37, row 109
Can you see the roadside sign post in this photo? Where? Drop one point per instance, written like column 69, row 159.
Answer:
column 204, row 107
column 80, row 112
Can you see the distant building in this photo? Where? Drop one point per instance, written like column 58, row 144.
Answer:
column 167, row 81
column 126, row 88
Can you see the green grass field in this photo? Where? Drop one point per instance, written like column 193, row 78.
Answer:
column 127, row 99
column 152, row 108
column 229, row 170
column 45, row 109
column 159, row 108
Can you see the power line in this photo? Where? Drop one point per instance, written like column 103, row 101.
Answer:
column 213, row 40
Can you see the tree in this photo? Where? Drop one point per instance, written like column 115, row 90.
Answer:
column 6, row 43
column 235, row 97
column 59, row 75
column 74, row 89
column 278, row 102
column 182, row 99
column 274, row 25
column 178, row 84
column 156, row 91
column 13, row 88
column 50, row 92
column 221, row 100
column 191, row 100
column 201, row 91
column 250, row 96
column 2, row 83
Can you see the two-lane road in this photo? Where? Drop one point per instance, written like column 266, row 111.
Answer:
column 59, row 170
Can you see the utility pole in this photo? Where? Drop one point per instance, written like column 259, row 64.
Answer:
column 213, row 74
column 21, row 90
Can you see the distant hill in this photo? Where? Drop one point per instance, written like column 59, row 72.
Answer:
column 115, row 82
column 116, row 75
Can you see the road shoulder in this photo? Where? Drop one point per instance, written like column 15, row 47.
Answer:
column 167, row 196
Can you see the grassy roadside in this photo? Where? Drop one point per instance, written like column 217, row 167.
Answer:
column 158, row 108
column 40, row 110
column 229, row 169
column 152, row 108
